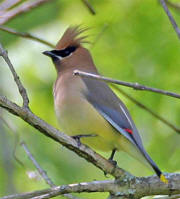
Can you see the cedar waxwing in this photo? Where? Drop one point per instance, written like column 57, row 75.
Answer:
column 88, row 109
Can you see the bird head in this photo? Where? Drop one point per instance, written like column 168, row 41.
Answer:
column 70, row 53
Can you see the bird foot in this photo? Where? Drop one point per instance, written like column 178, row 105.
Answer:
column 78, row 138
column 113, row 162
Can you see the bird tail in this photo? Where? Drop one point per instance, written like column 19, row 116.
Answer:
column 154, row 166
column 137, row 151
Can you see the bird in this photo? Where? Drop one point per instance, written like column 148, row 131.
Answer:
column 88, row 109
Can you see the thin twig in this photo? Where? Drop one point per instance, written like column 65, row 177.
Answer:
column 22, row 8
column 173, row 22
column 100, row 186
column 89, row 6
column 106, row 25
column 5, row 5
column 42, row 172
column 48, row 130
column 173, row 5
column 136, row 86
column 17, row 138
column 31, row 157
column 21, row 88
column 26, row 35
column 163, row 120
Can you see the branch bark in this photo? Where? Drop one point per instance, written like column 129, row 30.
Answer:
column 171, row 19
column 89, row 6
column 162, row 119
column 17, row 80
column 41, row 171
column 26, row 35
column 136, row 86
column 126, row 185
column 65, row 140
column 22, row 8
column 133, row 188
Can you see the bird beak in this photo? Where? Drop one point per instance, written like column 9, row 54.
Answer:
column 50, row 54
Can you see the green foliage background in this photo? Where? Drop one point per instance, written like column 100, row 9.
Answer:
column 136, row 43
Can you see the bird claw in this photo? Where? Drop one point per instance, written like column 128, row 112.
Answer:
column 78, row 137
column 113, row 162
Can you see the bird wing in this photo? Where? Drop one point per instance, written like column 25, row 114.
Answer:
column 111, row 108
column 115, row 112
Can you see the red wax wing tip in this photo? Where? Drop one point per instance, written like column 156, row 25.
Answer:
column 129, row 131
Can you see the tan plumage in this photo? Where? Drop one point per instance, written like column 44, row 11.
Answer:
column 89, row 107
column 72, row 37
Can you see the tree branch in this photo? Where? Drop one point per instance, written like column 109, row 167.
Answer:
column 89, row 6
column 173, row 22
column 173, row 5
column 136, row 86
column 65, row 140
column 21, row 88
column 22, row 8
column 41, row 171
column 7, row 4
column 162, row 119
column 26, row 114
column 169, row 197
column 133, row 188
column 16, row 140
column 26, row 35
column 125, row 185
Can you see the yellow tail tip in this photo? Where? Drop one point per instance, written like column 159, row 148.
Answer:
column 163, row 179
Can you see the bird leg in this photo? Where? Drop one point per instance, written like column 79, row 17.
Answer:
column 111, row 159
column 78, row 137
column 112, row 156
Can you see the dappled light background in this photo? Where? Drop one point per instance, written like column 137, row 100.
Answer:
column 131, row 41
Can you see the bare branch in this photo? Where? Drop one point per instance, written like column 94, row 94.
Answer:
column 5, row 5
column 21, row 88
column 42, row 172
column 30, row 156
column 96, row 186
column 22, row 8
column 169, row 197
column 173, row 5
column 136, row 86
column 104, row 28
column 162, row 119
column 173, row 22
column 65, row 140
column 16, row 139
column 38, row 167
column 131, row 188
column 26, row 35
column 126, row 185
column 89, row 6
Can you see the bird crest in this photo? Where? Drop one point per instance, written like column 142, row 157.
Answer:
column 72, row 37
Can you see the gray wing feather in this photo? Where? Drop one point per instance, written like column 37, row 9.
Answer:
column 108, row 104
column 115, row 112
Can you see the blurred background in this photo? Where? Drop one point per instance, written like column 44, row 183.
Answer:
column 131, row 40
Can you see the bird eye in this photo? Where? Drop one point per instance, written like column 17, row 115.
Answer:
column 65, row 52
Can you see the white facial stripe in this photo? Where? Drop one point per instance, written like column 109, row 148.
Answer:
column 61, row 58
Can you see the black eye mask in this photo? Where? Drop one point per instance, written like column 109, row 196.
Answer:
column 65, row 52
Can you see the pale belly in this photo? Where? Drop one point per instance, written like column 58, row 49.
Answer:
column 81, row 118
